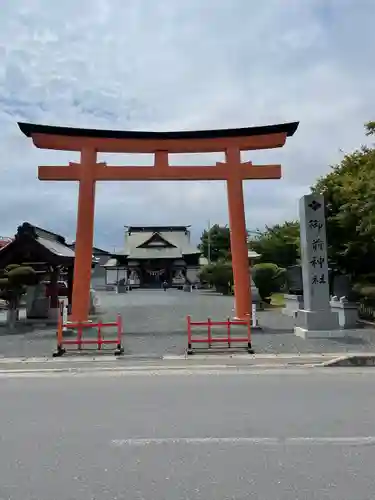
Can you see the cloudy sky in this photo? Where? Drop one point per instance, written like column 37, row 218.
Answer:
column 171, row 65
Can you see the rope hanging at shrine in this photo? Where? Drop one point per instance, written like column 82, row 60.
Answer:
column 155, row 273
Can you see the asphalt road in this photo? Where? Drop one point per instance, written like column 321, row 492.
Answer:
column 285, row 435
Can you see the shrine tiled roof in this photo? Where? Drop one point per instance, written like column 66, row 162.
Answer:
column 153, row 244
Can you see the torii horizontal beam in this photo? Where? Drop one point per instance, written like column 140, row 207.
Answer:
column 101, row 172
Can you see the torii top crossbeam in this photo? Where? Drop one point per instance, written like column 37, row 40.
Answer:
column 161, row 144
column 119, row 141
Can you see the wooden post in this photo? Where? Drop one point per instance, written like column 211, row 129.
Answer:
column 54, row 292
column 238, row 236
column 70, row 272
column 84, row 237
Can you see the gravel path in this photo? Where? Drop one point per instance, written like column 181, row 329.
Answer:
column 155, row 323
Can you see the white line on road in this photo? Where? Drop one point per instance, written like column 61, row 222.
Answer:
column 269, row 441
column 307, row 370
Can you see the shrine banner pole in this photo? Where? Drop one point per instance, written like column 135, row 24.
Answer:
column 238, row 239
column 84, row 237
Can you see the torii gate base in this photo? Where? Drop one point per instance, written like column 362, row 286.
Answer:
column 89, row 142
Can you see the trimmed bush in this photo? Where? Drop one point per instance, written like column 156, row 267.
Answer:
column 22, row 276
column 222, row 277
column 219, row 275
column 269, row 279
column 14, row 282
column 205, row 274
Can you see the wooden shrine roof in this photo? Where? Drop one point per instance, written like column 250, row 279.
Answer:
column 37, row 244
column 31, row 128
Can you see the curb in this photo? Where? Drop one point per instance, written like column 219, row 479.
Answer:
column 313, row 359
column 297, row 357
column 356, row 360
column 323, row 359
column 151, row 370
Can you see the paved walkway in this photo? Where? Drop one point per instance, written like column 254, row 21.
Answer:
column 155, row 323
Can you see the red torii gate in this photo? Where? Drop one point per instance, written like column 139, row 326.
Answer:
column 90, row 141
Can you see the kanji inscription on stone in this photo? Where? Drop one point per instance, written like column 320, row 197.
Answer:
column 314, row 253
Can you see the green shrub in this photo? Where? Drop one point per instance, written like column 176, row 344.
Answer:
column 222, row 277
column 205, row 274
column 365, row 292
column 11, row 267
column 14, row 282
column 22, row 276
column 219, row 275
column 268, row 278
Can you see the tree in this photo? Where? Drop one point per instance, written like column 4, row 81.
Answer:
column 215, row 243
column 13, row 285
column 278, row 244
column 349, row 192
column 370, row 128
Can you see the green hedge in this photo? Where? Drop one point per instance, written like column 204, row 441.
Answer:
column 219, row 275
column 268, row 278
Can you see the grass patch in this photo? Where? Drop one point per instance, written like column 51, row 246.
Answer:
column 277, row 300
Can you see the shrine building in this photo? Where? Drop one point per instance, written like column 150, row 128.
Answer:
column 154, row 254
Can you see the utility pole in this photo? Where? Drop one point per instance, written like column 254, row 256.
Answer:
column 209, row 242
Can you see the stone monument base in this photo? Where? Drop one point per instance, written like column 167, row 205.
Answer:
column 319, row 334
column 318, row 324
column 347, row 312
column 293, row 303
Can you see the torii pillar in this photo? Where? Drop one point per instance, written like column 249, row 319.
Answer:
column 238, row 235
column 84, row 235
column 89, row 142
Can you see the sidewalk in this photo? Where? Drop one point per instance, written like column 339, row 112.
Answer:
column 90, row 364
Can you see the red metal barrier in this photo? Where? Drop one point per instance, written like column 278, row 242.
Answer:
column 80, row 341
column 229, row 339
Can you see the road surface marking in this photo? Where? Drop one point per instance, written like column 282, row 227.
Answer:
column 270, row 441
column 271, row 370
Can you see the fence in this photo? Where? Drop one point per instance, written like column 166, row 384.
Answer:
column 366, row 311
column 99, row 341
column 228, row 339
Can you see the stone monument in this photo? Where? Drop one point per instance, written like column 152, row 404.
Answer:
column 38, row 304
column 316, row 319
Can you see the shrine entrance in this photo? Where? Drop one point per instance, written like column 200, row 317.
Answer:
column 154, row 272
column 90, row 142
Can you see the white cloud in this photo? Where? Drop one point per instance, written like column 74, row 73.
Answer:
column 180, row 65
